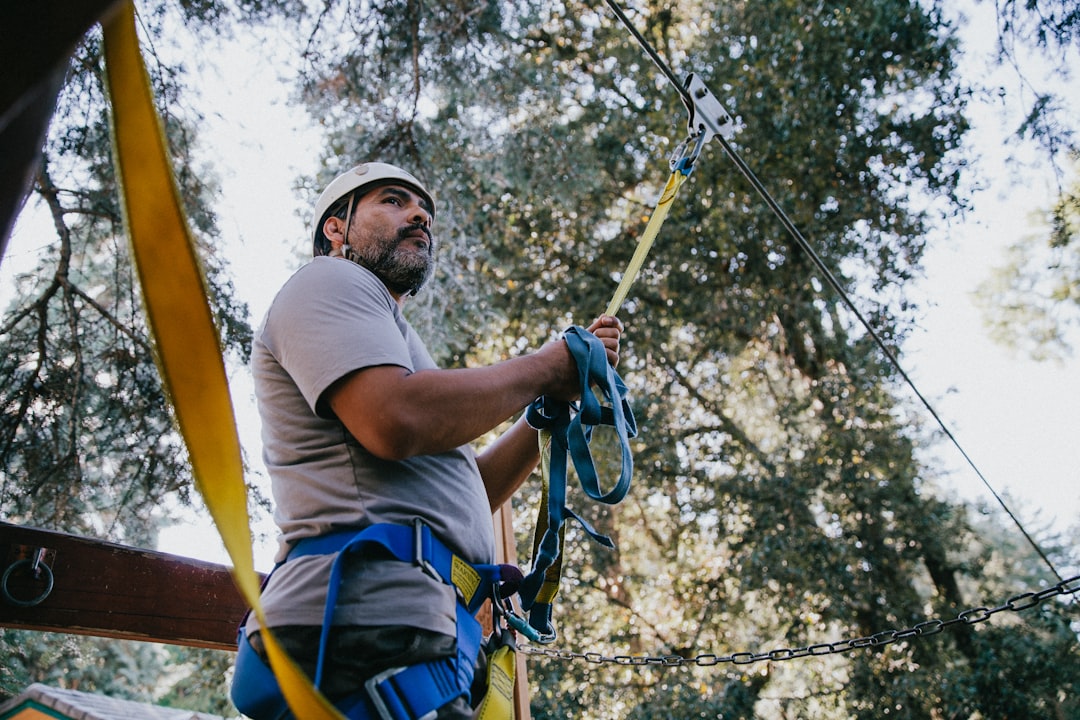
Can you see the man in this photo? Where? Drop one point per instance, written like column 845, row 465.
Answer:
column 360, row 427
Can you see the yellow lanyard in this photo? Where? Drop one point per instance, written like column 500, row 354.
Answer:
column 645, row 243
column 186, row 339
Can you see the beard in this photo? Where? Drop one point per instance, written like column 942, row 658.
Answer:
column 403, row 270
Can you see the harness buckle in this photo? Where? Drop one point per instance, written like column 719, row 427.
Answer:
column 418, row 550
column 383, row 696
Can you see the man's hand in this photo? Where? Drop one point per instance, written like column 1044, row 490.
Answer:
column 608, row 329
column 507, row 462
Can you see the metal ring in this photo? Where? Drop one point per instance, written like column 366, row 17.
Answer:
column 41, row 567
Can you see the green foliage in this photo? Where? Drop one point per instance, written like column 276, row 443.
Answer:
column 778, row 500
column 1049, row 24
column 1037, row 38
column 202, row 683
column 124, row 669
column 87, row 443
column 188, row 678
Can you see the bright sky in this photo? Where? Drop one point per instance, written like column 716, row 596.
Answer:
column 1017, row 419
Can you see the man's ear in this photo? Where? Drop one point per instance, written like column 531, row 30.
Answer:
column 334, row 230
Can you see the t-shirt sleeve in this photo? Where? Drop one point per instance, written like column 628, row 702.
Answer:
column 332, row 318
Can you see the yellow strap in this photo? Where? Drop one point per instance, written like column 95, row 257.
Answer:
column 186, row 339
column 663, row 206
column 552, row 578
column 550, row 587
column 498, row 701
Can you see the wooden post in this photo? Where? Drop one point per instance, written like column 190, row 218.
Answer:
column 506, row 552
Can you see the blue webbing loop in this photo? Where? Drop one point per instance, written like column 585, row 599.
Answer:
column 570, row 426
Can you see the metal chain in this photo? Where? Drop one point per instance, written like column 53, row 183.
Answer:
column 1016, row 603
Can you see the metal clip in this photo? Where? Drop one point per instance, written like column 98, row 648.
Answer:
column 683, row 158
column 505, row 608
column 418, row 550
column 379, row 700
column 521, row 625
column 707, row 116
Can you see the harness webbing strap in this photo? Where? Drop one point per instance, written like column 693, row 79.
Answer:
column 566, row 433
column 403, row 693
column 550, row 586
column 412, row 544
column 498, row 703
column 568, row 428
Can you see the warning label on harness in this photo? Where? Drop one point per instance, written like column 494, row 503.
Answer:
column 464, row 578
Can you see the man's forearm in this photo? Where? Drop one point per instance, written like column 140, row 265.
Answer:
column 396, row 414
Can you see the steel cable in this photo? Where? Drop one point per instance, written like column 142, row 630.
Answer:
column 816, row 259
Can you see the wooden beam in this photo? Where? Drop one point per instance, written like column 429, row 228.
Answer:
column 36, row 39
column 109, row 590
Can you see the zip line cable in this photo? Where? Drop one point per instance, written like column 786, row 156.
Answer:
column 649, row 50
column 801, row 241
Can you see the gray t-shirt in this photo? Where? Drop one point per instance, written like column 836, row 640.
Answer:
column 333, row 317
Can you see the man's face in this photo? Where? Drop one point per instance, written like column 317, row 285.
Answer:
column 390, row 234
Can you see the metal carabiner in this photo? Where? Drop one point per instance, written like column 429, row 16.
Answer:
column 504, row 608
column 521, row 625
column 708, row 118
column 683, row 158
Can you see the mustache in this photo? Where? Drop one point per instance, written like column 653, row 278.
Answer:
column 409, row 229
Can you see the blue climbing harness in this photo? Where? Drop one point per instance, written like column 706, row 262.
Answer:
column 408, row 693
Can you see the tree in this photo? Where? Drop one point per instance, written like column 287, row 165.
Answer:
column 778, row 499
column 1051, row 30
column 122, row 669
column 87, row 444
column 1030, row 302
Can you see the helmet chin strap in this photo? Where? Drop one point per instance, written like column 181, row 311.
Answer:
column 343, row 251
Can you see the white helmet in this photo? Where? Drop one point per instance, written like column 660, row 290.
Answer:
column 359, row 177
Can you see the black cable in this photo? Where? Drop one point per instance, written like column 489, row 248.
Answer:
column 648, row 48
column 820, row 264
